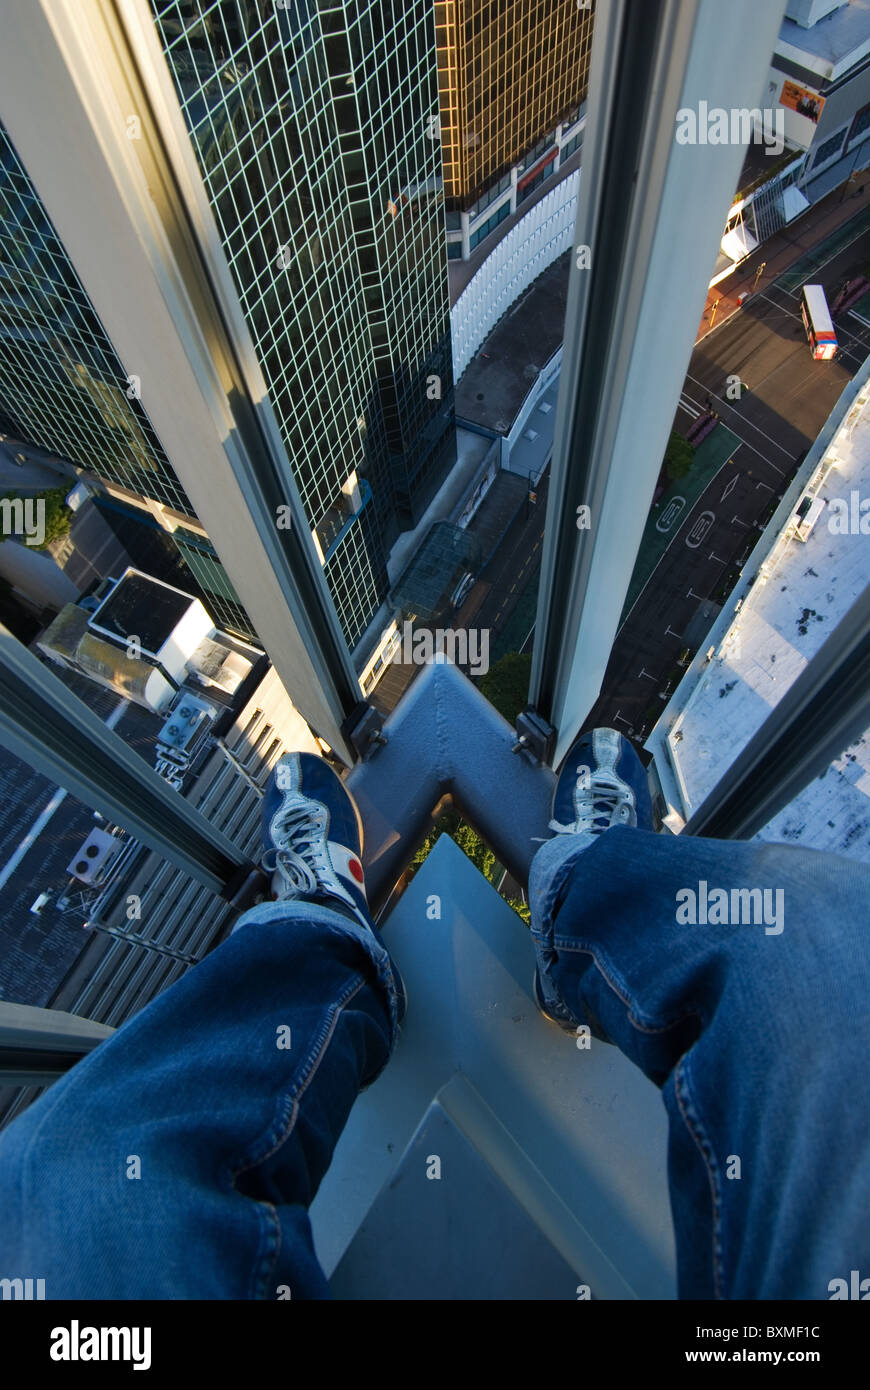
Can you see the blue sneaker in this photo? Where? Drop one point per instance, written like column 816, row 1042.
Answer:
column 603, row 783
column 312, row 835
column 312, row 841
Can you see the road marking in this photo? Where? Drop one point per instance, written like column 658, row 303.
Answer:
column 729, row 487
column 111, row 721
column 699, row 529
column 794, row 294
column 670, row 543
column 689, row 405
column 528, row 635
column 745, row 421
column 670, row 514
column 781, row 307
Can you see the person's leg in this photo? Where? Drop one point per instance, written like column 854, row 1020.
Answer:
column 756, row 1031
column 179, row 1159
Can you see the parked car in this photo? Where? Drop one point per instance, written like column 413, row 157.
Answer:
column 462, row 590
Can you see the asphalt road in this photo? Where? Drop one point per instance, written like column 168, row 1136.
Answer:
column 789, row 399
column 514, row 564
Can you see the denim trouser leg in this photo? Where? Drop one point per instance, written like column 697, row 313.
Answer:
column 758, row 1035
column 179, row 1158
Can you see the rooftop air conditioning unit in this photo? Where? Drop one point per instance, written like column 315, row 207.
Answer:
column 806, row 516
column 186, row 727
column 92, row 862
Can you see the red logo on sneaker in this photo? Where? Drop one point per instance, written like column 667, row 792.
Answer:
column 356, row 869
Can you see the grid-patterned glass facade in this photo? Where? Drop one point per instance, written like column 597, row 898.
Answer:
column 509, row 71
column 63, row 387
column 311, row 124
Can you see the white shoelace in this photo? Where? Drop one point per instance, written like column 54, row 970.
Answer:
column 607, row 803
column 301, row 862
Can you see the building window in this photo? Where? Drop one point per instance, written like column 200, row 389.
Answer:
column 533, row 183
column 541, row 148
column 828, row 149
column 489, row 226
column 489, row 197
column 860, row 124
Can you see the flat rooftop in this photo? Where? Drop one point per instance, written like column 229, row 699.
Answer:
column 831, row 46
column 144, row 606
column 802, row 591
column 500, row 375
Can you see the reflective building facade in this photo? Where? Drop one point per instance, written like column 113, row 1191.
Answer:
column 64, row 389
column 311, row 125
column 509, row 71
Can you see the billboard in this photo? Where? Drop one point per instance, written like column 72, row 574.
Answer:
column 803, row 100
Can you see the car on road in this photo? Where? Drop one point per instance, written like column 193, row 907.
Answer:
column 462, row 590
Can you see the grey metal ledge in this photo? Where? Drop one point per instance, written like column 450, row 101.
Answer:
column 444, row 739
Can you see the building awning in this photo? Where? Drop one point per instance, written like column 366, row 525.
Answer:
column 538, row 165
column 738, row 243
column 793, row 202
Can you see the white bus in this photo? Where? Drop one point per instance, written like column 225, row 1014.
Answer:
column 817, row 322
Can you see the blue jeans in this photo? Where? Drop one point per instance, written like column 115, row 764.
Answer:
column 179, row 1159
column 757, row 1033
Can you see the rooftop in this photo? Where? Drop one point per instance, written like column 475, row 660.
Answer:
column 800, row 592
column 144, row 606
column 833, row 45
column 498, row 379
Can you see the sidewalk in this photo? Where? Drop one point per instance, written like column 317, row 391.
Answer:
column 782, row 250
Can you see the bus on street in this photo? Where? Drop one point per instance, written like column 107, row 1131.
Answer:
column 817, row 322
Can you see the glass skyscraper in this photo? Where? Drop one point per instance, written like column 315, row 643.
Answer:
column 312, row 126
column 64, row 388
column 312, row 123
column 509, row 71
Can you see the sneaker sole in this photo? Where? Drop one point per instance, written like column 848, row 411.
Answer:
column 542, row 1008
